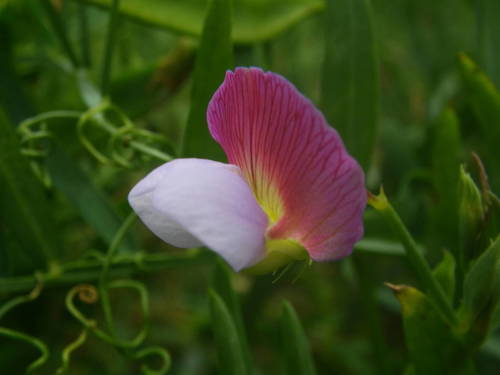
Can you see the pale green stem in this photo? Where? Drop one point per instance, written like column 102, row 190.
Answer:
column 415, row 257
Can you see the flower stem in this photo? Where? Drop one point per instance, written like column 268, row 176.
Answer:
column 89, row 270
column 415, row 257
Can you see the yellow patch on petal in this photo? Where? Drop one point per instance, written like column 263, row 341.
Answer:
column 278, row 254
column 266, row 194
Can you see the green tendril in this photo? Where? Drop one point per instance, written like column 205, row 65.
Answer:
column 154, row 351
column 66, row 354
column 37, row 343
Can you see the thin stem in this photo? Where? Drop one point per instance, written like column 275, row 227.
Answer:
column 89, row 270
column 60, row 31
column 44, row 351
column 48, row 116
column 103, row 279
column 109, row 47
column 415, row 258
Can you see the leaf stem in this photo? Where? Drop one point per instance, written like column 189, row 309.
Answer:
column 415, row 257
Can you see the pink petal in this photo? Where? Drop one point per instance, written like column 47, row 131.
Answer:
column 296, row 164
column 194, row 202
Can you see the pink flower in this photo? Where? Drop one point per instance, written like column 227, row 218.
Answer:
column 290, row 189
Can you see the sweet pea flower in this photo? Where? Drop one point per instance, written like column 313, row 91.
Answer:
column 290, row 191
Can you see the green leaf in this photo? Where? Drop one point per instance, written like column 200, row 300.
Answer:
column 25, row 210
column 445, row 274
column 350, row 76
column 488, row 13
column 210, row 67
column 479, row 291
column 470, row 217
column 433, row 347
column 222, row 285
column 445, row 175
column 255, row 20
column 297, row 354
column 230, row 352
column 92, row 204
column 485, row 101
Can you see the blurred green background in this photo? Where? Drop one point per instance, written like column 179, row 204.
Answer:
column 406, row 55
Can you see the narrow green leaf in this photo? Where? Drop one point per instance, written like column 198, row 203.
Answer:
column 70, row 180
column 485, row 101
column 297, row 353
column 210, row 67
column 25, row 210
column 222, row 285
column 445, row 274
column 445, row 175
column 488, row 29
column 433, row 347
column 480, row 281
column 470, row 218
column 230, row 353
column 255, row 21
column 350, row 76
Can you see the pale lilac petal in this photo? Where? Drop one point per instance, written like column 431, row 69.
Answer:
column 296, row 164
column 211, row 203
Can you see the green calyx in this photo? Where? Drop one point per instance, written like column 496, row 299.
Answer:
column 279, row 252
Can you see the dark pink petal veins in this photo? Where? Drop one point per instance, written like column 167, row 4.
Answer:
column 295, row 163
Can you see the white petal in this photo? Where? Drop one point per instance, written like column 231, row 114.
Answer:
column 140, row 198
column 213, row 204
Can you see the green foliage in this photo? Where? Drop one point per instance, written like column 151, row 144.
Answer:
column 445, row 274
column 102, row 90
column 485, row 100
column 445, row 176
column 481, row 294
column 350, row 82
column 210, row 67
column 433, row 346
column 296, row 351
column 92, row 204
column 222, row 286
column 489, row 37
column 471, row 216
column 25, row 212
column 230, row 351
column 255, row 20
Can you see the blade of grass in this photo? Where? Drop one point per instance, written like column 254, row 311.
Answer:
column 298, row 360
column 109, row 47
column 229, row 348
column 210, row 67
column 222, row 285
column 60, row 30
column 349, row 94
